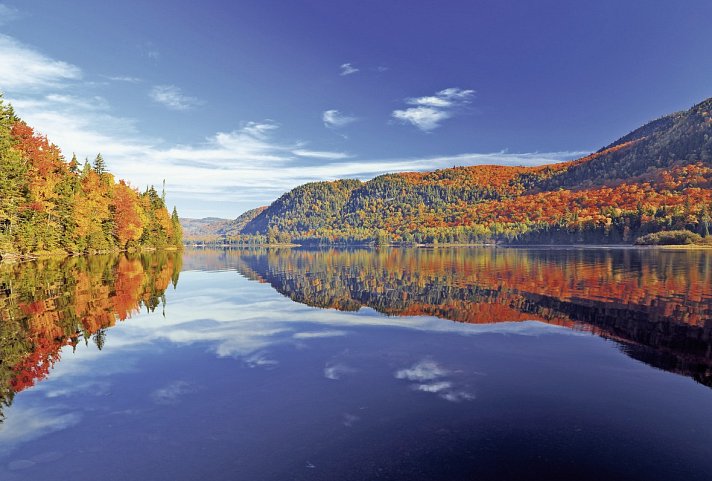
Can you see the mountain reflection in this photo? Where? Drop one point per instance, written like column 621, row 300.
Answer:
column 49, row 304
column 657, row 305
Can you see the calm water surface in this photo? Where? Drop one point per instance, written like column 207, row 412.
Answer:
column 393, row 364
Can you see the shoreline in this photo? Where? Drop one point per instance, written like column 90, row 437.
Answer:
column 460, row 246
column 11, row 258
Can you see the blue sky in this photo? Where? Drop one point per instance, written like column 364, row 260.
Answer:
column 235, row 102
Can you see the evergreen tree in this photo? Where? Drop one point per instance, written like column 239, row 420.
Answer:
column 99, row 165
column 86, row 169
column 100, row 338
column 74, row 164
column 177, row 229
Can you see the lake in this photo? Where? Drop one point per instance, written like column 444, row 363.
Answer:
column 356, row 364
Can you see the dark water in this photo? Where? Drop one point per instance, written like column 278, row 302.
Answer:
column 398, row 364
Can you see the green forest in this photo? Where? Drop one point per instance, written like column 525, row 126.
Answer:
column 52, row 206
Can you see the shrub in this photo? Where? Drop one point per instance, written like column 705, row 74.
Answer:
column 671, row 237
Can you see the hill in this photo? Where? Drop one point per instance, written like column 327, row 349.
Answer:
column 656, row 178
column 51, row 206
column 202, row 227
column 210, row 228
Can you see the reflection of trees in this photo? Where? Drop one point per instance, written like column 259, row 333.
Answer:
column 656, row 304
column 46, row 305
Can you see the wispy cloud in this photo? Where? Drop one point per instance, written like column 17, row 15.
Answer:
column 334, row 119
column 347, row 69
column 447, row 98
column 434, row 386
column 260, row 359
column 425, row 370
column 171, row 393
column 25, row 69
column 319, row 334
column 428, row 376
column 350, row 419
column 149, row 50
column 173, row 97
column 337, row 371
column 321, row 154
column 119, row 78
column 8, row 13
column 429, row 111
column 28, row 423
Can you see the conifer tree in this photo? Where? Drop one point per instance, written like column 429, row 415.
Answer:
column 74, row 164
column 99, row 164
column 177, row 229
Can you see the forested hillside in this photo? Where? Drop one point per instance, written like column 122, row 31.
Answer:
column 50, row 205
column 657, row 178
column 202, row 227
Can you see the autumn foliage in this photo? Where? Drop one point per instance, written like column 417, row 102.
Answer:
column 50, row 205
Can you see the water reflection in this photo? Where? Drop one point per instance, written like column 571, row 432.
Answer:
column 49, row 304
column 229, row 379
column 656, row 304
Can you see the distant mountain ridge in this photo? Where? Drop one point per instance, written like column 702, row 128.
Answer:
column 658, row 177
column 215, row 226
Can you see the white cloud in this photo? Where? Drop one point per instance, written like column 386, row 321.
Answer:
column 428, row 375
column 425, row 370
column 450, row 97
column 457, row 396
column 334, row 119
column 434, row 386
column 425, row 118
column 347, row 69
column 429, row 111
column 173, row 98
column 25, row 69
